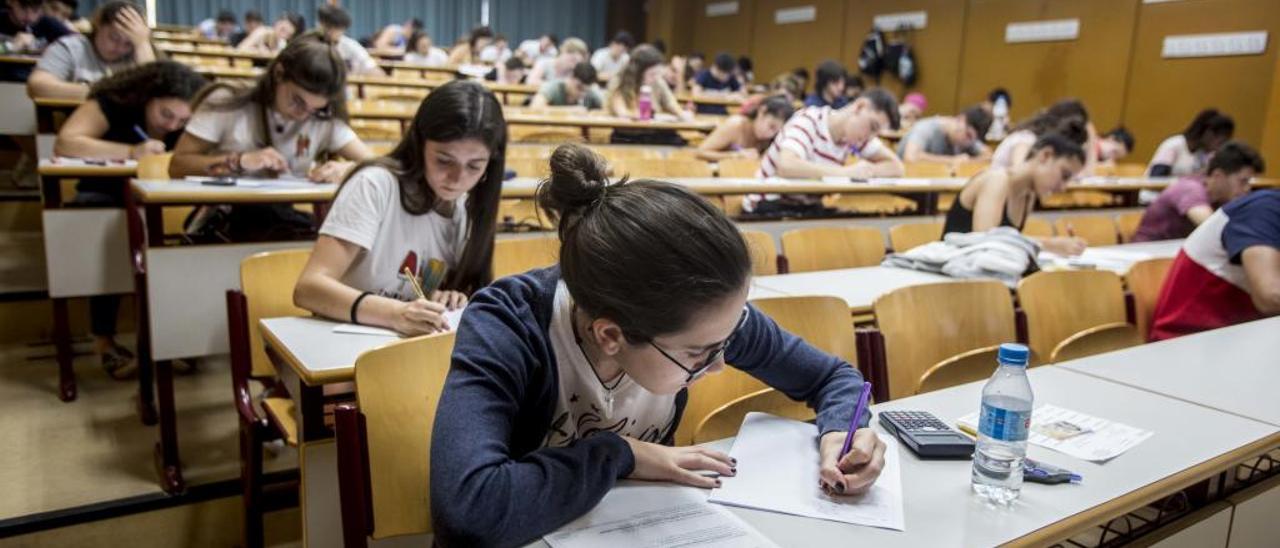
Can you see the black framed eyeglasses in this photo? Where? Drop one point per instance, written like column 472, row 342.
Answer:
column 714, row 356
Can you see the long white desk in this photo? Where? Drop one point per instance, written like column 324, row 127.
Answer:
column 1191, row 443
column 1234, row 369
column 859, row 287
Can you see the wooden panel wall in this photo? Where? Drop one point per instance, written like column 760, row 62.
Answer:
column 776, row 48
column 1164, row 94
column 730, row 33
column 936, row 45
column 1092, row 67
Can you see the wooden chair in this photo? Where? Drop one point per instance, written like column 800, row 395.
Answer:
column 384, row 444
column 661, row 168
column 1096, row 230
column 1130, row 170
column 1128, row 225
column 517, row 255
column 1096, row 340
column 873, row 203
column 518, row 214
column 738, row 167
column 266, row 291
column 537, row 168
column 932, row 170
column 821, row 321
column 764, row 254
column 830, row 248
column 1036, row 227
column 927, row 324
column 725, row 421
column 964, row 368
column 1144, row 281
column 903, row 237
column 1060, row 304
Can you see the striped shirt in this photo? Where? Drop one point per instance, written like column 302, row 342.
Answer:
column 808, row 136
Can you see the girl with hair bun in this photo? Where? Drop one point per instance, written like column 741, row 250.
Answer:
column 567, row 379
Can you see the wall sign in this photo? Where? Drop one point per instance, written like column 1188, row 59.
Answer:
column 1042, row 31
column 1214, row 45
column 802, row 14
column 721, row 9
column 914, row 20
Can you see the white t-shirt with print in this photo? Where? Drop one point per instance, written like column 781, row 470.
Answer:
column 436, row 57
column 367, row 213
column 583, row 406
column 1175, row 153
column 357, row 58
column 239, row 130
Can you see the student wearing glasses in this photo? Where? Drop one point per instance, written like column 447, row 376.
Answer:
column 568, row 379
column 291, row 123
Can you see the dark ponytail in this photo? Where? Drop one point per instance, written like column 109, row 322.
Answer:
column 645, row 254
column 1061, row 146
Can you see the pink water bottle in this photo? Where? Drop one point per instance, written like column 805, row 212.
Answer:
column 644, row 104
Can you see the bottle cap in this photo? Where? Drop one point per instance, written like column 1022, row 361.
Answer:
column 1013, row 354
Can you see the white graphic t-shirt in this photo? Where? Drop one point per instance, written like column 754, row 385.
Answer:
column 367, row 213
column 583, row 407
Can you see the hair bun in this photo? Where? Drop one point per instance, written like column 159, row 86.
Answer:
column 579, row 178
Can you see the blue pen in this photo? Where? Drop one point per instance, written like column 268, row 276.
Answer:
column 138, row 130
column 853, row 422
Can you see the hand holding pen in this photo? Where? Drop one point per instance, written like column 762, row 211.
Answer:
column 852, row 460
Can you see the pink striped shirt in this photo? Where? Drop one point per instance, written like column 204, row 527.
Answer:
column 808, row 136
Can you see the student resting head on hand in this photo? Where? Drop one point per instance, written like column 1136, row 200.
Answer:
column 748, row 134
column 120, row 39
column 947, row 138
column 568, row 379
column 1068, row 118
column 435, row 196
column 1188, row 152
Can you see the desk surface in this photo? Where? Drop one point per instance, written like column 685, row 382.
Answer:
column 77, row 168
column 176, row 192
column 1234, row 369
column 18, row 59
column 1190, row 443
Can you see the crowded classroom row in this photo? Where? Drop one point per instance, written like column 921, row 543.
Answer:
column 550, row 387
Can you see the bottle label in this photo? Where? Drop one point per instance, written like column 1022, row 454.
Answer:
column 1003, row 424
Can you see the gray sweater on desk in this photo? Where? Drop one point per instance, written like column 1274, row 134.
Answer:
column 492, row 481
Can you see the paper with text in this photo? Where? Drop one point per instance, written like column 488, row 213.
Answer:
column 638, row 515
column 451, row 316
column 778, row 472
column 1097, row 440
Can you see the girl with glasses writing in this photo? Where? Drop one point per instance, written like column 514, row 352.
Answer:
column 568, row 379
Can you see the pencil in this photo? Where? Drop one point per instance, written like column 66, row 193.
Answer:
column 413, row 281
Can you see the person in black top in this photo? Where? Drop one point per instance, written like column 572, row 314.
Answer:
column 25, row 29
column 135, row 113
column 1006, row 196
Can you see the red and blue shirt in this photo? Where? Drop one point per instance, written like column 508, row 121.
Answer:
column 1206, row 286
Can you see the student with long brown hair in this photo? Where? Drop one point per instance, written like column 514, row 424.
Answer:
column 435, row 196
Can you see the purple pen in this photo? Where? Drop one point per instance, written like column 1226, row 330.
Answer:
column 853, row 422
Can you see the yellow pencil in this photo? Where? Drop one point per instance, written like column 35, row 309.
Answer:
column 413, row 281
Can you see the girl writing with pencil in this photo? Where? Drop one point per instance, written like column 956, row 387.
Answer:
column 134, row 113
column 568, row 379
column 432, row 200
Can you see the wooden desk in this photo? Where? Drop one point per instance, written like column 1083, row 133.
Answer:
column 402, row 112
column 87, row 251
column 858, row 287
column 221, row 51
column 1191, row 443
column 229, row 73
column 1234, row 369
column 19, row 59
column 185, row 37
column 181, row 290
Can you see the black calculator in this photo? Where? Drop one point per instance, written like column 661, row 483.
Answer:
column 926, row 436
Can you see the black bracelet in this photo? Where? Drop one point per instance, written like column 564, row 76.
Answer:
column 355, row 305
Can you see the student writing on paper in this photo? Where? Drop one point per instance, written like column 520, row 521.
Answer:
column 1068, row 118
column 718, row 78
column 1188, row 153
column 612, row 58
column 468, row 53
column 947, row 138
column 567, row 379
column 1189, row 201
column 579, row 88
column 395, row 37
column 423, row 52
column 572, row 52
column 273, row 39
column 1228, row 270
column 120, row 39
column 26, row 29
column 748, row 134
column 646, row 68
column 334, row 22
column 828, row 87
column 435, row 196
column 1006, row 197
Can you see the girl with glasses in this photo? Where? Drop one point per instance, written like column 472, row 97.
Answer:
column 568, row 379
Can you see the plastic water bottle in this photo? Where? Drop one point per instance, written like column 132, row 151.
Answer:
column 644, row 103
column 1002, row 428
column 999, row 117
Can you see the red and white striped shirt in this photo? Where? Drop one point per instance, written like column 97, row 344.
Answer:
column 807, row 135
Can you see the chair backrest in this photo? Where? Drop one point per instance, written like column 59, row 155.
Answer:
column 963, row 368
column 517, row 255
column 905, row 236
column 1096, row 340
column 928, row 169
column 1129, row 170
column 1144, row 280
column 823, row 322
column 1096, row 230
column 830, row 248
column 398, row 387
column 537, row 168
column 267, row 281
column 725, row 421
column 1128, row 225
column 764, row 254
column 637, row 168
column 926, row 324
column 738, row 167
column 155, row 166
column 523, row 211
column 1036, row 227
column 1060, row 304
column 969, row 169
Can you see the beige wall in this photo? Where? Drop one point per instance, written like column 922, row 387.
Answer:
column 1114, row 66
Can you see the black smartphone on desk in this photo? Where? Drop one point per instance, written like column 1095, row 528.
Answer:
column 219, row 181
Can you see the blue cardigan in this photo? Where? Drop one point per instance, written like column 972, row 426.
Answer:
column 492, row 482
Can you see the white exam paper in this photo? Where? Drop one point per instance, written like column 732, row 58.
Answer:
column 1102, row 441
column 1115, row 260
column 778, row 472
column 636, row 514
column 451, row 316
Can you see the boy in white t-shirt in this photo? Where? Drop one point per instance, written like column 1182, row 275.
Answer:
column 1188, row 153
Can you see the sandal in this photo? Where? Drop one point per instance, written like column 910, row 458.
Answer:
column 119, row 364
